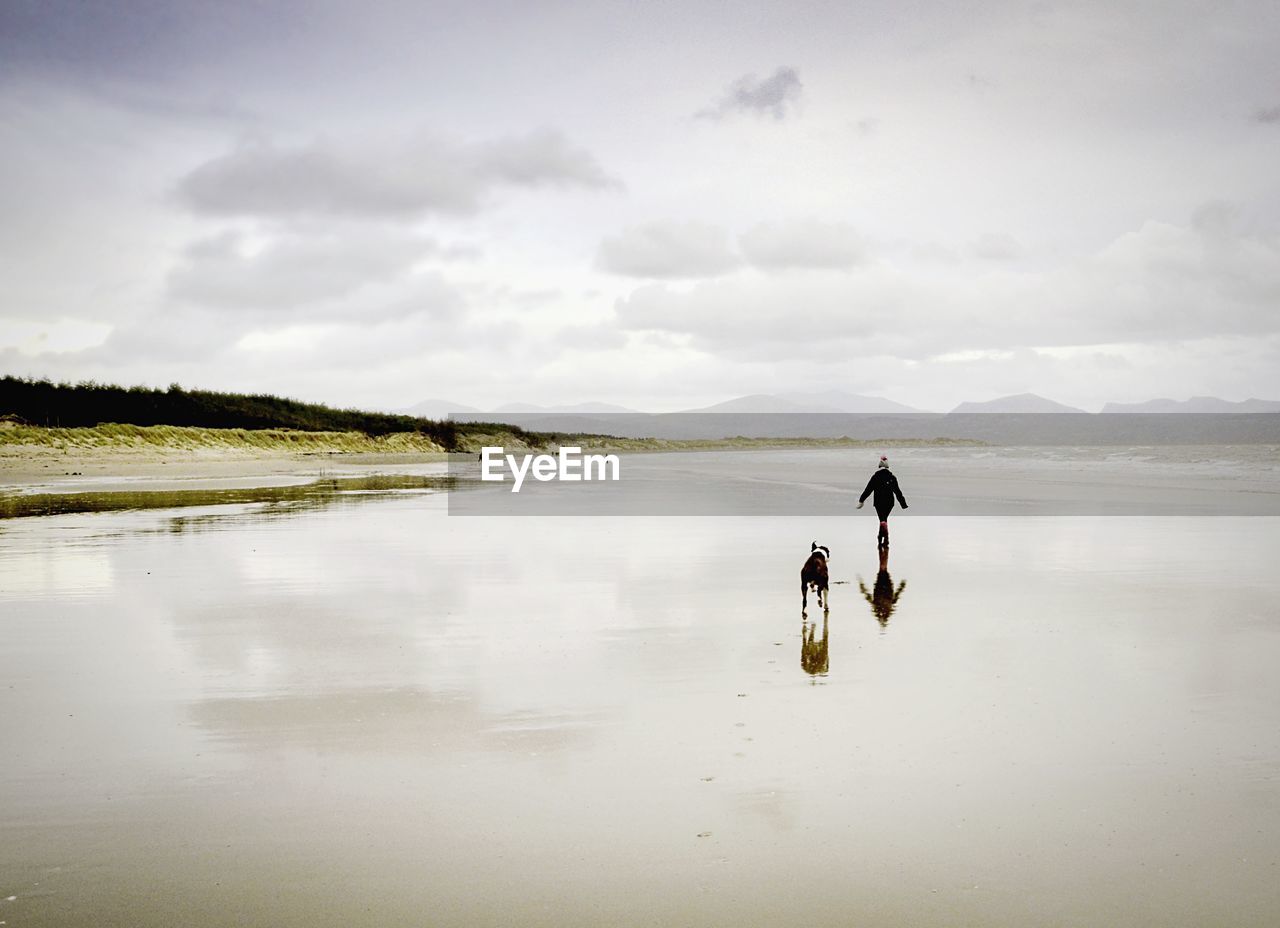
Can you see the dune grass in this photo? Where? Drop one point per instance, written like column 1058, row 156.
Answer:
column 114, row 436
column 123, row 437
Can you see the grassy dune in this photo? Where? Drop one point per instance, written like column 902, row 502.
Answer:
column 110, row 437
column 40, row 417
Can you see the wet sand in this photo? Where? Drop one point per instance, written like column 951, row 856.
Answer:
column 371, row 712
column 1023, row 481
column 1166, row 480
column 49, row 470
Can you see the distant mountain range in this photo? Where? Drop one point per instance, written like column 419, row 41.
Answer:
column 826, row 401
column 436, row 409
column 586, row 408
column 440, row 409
column 837, row 401
column 1195, row 404
column 1020, row 403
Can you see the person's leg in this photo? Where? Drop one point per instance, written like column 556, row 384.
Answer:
column 882, row 539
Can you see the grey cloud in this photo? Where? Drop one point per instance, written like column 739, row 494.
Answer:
column 997, row 246
column 540, row 159
column 540, row 297
column 668, row 250
column 1270, row 114
column 172, row 335
column 774, row 96
column 228, row 286
column 292, row 272
column 348, row 346
column 803, row 244
column 427, row 296
column 1152, row 285
column 1213, row 264
column 1216, row 218
column 424, row 315
column 673, row 250
column 426, row 175
column 597, row 337
column 461, row 251
column 756, row 320
column 140, row 41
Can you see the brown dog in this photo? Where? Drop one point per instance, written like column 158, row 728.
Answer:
column 814, row 574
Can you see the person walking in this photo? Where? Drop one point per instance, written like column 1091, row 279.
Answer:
column 883, row 487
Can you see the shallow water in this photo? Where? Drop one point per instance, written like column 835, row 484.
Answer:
column 1040, row 481
column 301, row 492
column 372, row 712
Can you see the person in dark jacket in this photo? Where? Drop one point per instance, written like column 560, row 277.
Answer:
column 883, row 487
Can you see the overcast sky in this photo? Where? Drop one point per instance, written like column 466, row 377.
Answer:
column 655, row 204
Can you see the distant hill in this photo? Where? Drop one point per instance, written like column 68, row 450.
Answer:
column 575, row 408
column 437, row 409
column 825, row 401
column 441, row 409
column 1019, row 403
column 755, row 403
column 1197, row 404
column 839, row 401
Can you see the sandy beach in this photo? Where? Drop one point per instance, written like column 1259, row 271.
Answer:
column 35, row 469
column 1181, row 480
column 416, row 417
column 372, row 709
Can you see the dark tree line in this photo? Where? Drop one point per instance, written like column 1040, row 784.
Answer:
column 42, row 402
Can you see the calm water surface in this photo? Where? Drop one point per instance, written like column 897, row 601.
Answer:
column 369, row 712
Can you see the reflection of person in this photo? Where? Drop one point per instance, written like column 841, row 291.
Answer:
column 883, row 487
column 882, row 597
column 813, row 654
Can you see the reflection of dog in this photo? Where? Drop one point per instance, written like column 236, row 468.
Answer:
column 814, row 574
column 813, row 653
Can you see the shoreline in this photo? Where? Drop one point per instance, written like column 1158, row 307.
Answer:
column 947, row 479
column 54, row 460
column 113, row 457
column 35, row 470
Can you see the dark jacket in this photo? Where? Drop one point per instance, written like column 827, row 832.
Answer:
column 885, row 487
